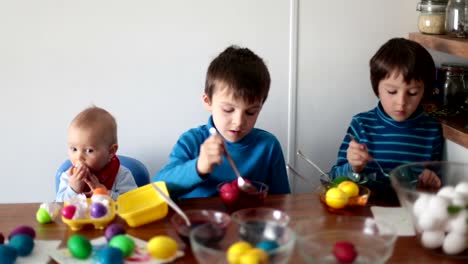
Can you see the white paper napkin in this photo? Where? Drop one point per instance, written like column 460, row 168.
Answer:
column 397, row 216
column 40, row 253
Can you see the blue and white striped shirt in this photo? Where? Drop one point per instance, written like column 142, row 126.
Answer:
column 391, row 143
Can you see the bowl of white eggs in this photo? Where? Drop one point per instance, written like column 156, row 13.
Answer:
column 436, row 196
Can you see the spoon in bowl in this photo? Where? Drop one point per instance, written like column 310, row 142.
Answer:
column 327, row 177
column 243, row 184
column 172, row 204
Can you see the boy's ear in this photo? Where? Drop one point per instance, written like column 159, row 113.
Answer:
column 206, row 102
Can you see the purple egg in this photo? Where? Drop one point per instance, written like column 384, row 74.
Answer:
column 2, row 238
column 26, row 230
column 98, row 210
column 113, row 230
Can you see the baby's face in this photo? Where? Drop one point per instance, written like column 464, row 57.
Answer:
column 233, row 118
column 87, row 148
column 399, row 99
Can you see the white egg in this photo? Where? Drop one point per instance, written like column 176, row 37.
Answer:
column 100, row 198
column 462, row 188
column 438, row 207
column 428, row 222
column 458, row 223
column 421, row 204
column 432, row 239
column 459, row 199
column 447, row 192
column 454, row 243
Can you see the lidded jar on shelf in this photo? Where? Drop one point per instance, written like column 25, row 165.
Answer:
column 453, row 92
column 431, row 18
column 456, row 18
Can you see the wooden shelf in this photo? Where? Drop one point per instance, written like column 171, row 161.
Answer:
column 442, row 43
column 455, row 128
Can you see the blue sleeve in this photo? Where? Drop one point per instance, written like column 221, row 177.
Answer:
column 278, row 178
column 180, row 174
column 438, row 146
column 64, row 192
column 342, row 167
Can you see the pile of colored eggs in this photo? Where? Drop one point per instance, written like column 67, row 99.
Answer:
column 243, row 252
column 20, row 243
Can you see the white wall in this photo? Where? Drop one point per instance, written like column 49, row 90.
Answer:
column 144, row 61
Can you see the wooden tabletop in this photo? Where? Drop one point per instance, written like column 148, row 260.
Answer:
column 300, row 207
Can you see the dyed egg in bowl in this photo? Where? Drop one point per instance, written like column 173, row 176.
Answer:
column 346, row 194
column 199, row 217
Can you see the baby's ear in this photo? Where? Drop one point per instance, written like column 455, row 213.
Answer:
column 113, row 149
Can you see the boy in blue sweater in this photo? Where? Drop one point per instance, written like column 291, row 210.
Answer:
column 236, row 87
column 397, row 131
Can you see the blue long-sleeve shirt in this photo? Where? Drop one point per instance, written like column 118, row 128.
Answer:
column 258, row 156
column 391, row 143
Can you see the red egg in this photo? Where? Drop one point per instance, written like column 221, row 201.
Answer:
column 344, row 252
column 2, row 238
column 68, row 211
column 229, row 193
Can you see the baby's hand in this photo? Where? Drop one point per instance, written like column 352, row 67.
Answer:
column 78, row 174
column 211, row 154
column 93, row 182
column 358, row 156
column 428, row 178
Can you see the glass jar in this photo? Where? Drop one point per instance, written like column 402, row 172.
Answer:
column 455, row 18
column 431, row 18
column 453, row 91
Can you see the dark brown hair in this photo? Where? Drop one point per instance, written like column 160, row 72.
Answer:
column 409, row 58
column 242, row 71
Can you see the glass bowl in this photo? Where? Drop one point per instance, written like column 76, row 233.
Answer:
column 439, row 213
column 198, row 217
column 371, row 241
column 337, row 204
column 260, row 214
column 210, row 244
column 235, row 199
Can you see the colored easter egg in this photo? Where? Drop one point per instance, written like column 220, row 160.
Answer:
column 79, row 246
column 110, row 255
column 2, row 238
column 162, row 247
column 113, row 230
column 26, row 230
column 68, row 211
column 22, row 243
column 98, row 210
column 8, row 254
column 42, row 216
column 101, row 191
column 124, row 243
column 267, row 245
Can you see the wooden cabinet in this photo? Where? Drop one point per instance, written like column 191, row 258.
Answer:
column 455, row 128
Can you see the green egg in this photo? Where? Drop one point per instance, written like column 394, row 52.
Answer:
column 124, row 243
column 23, row 244
column 340, row 179
column 42, row 216
column 79, row 246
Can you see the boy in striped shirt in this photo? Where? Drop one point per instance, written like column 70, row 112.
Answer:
column 397, row 131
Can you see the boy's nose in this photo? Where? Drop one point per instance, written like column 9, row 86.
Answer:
column 238, row 119
column 402, row 99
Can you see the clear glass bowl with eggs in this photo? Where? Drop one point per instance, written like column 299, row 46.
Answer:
column 439, row 207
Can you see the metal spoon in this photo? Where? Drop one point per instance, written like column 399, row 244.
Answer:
column 172, row 204
column 243, row 184
column 328, row 178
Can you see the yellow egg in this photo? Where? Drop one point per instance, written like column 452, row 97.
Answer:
column 254, row 256
column 162, row 247
column 236, row 250
column 336, row 198
column 349, row 187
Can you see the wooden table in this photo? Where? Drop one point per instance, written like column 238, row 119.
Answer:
column 298, row 206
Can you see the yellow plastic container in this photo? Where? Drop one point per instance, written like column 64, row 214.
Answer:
column 137, row 207
column 143, row 205
column 98, row 223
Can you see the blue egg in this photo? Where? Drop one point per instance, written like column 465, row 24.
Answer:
column 110, row 255
column 23, row 244
column 8, row 254
column 267, row 245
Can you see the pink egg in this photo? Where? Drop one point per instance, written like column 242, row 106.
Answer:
column 2, row 238
column 69, row 211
